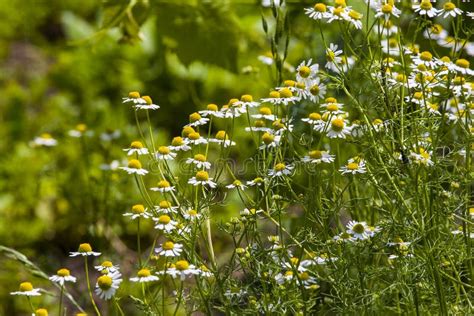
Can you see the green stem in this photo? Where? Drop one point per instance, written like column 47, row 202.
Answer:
column 89, row 287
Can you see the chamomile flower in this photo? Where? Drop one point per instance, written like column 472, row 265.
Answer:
column 264, row 113
column 307, row 280
column 236, row 184
column 133, row 97
column 250, row 212
column 282, row 278
column 425, row 8
column 281, row 170
column 135, row 167
column 136, row 147
column 45, row 140
column 113, row 165
column 283, row 96
column 435, row 32
column 462, row 66
column 314, row 119
column 107, row 267
column 337, row 128
column 246, row 101
column 316, row 90
column 306, row 72
column 333, row 56
column 147, row 105
column 166, row 207
column 79, row 131
column 270, row 140
column 165, row 153
column 27, row 289
column 169, row 249
column 256, row 182
column 397, row 241
column 196, row 139
column 211, row 110
column 425, row 58
column 343, row 238
column 138, row 210
column 144, row 275
column 318, row 12
column 318, row 156
column 387, row 10
column 422, row 157
column 62, row 276
column 336, row 13
column 390, row 46
column 449, row 9
column 84, row 250
column 41, row 312
column 202, row 178
column 353, row 166
column 358, row 230
column 199, row 160
column 195, row 119
column 107, row 285
column 179, row 144
column 165, row 223
column 460, row 231
column 182, row 269
column 332, row 107
column 191, row 215
column 109, row 135
column 266, row 58
column 163, row 186
column 354, row 17
column 222, row 138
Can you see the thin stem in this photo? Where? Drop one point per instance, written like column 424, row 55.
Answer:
column 89, row 287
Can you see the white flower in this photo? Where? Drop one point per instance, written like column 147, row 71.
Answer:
column 343, row 237
column 283, row 96
column 353, row 17
column 318, row 12
column 425, row 8
column 110, row 135
column 250, row 212
column 196, row 139
column 316, row 90
column 386, row 10
column 63, row 275
column 107, row 267
column 191, row 215
column 163, row 186
column 256, row 182
column 195, row 119
column 421, row 156
column 133, row 97
column 84, row 250
column 265, row 113
column 169, row 249
column 135, row 167
column 107, row 285
column 332, row 56
column 353, row 166
column 202, row 178
column 147, row 105
column 26, row 289
column 337, row 128
column 164, row 222
column 138, row 211
column 246, row 101
column 199, row 161
column 281, row 170
column 165, row 153
column 336, row 14
column 266, row 59
column 281, row 278
column 46, row 140
column 449, row 9
column 136, row 147
column 306, row 72
column 435, row 32
column 211, row 110
column 270, row 140
column 182, row 269
column 315, row 120
column 236, row 184
column 79, row 131
column 113, row 165
column 318, row 156
column 144, row 275
column 179, row 144
column 165, row 207
column 358, row 230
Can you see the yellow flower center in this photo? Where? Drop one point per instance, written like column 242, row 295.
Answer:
column 355, row 15
column 436, row 29
column 194, row 117
column 147, row 100
column 81, row 127
column 164, row 219
column 143, row 273
column 418, row 95
column 177, row 141
column 107, row 264
column 289, row 83
column 289, row 273
column 426, row 56
column 194, row 136
column 164, row 204
column 304, row 276
column 330, row 55
column 426, row 5
column 463, row 63
column 202, row 176
column 338, row 11
column 320, row 7
column 200, row 157
column 26, row 287
column 267, row 138
column 340, row 3
column 314, row 116
column 246, row 98
column 337, row 124
column 259, row 123
column 237, row 183
column 280, row 166
column 63, row 272
column 104, row 282
column 85, row 247
column 212, row 107
column 286, row 93
column 304, row 71
column 387, row 8
column 265, row 111
column 377, row 122
column 192, row 213
column 46, row 135
column 353, row 166
column 449, row 6
column 332, row 107
column 134, row 164
column 401, row 78
column 314, row 89
column 136, row 145
column 358, row 228
column 163, row 184
column 316, row 154
column 294, row 260
column 221, row 135
column 138, row 209
column 133, row 95
column 41, row 312
column 187, row 130
column 277, row 125
column 164, row 150
column 392, row 43
column 274, row 94
column 232, row 101
column 182, row 265
column 168, row 245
